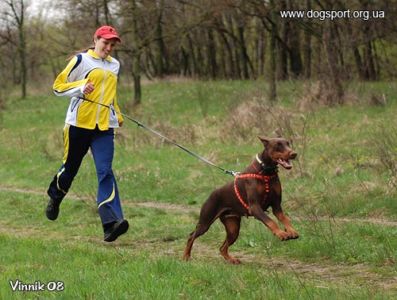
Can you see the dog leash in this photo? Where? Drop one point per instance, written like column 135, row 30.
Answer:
column 140, row 124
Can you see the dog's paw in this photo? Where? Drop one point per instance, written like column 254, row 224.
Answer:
column 230, row 259
column 292, row 234
column 234, row 261
column 282, row 235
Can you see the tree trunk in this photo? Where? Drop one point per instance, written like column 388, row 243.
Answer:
column 193, row 60
column 356, row 52
column 200, row 56
column 162, row 57
column 334, row 85
column 151, row 63
column 295, row 54
column 184, row 61
column 97, row 13
column 18, row 12
column 229, row 25
column 243, row 51
column 106, row 12
column 358, row 62
column 294, row 46
column 260, row 50
column 136, row 69
column 230, row 69
column 369, row 66
column 211, row 54
column 282, row 72
column 272, row 63
column 307, row 48
column 22, row 56
column 137, row 82
column 221, row 55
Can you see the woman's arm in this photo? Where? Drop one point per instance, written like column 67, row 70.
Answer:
column 63, row 87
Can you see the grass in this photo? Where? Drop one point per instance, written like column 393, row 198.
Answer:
column 142, row 277
column 146, row 263
column 342, row 182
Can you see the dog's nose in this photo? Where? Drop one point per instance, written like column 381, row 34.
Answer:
column 293, row 155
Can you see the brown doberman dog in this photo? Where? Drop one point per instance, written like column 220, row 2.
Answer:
column 251, row 194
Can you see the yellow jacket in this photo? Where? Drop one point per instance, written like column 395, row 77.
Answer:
column 103, row 73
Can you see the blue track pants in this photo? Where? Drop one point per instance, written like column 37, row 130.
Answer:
column 77, row 141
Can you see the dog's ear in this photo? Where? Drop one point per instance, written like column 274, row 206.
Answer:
column 264, row 140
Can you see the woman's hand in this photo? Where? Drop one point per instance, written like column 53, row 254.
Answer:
column 89, row 88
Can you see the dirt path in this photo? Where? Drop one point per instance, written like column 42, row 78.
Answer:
column 319, row 274
column 180, row 208
column 305, row 272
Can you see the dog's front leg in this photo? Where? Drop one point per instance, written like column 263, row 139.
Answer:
column 259, row 214
column 278, row 212
column 254, row 193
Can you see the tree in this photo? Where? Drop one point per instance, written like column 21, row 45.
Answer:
column 15, row 17
column 272, row 64
column 136, row 69
column 231, row 39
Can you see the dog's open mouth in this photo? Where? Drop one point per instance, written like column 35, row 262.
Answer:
column 284, row 163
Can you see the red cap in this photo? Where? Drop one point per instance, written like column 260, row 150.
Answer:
column 107, row 32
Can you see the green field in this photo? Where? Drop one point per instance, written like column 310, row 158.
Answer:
column 341, row 196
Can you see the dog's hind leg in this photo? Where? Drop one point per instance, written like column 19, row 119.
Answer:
column 232, row 226
column 208, row 214
column 200, row 230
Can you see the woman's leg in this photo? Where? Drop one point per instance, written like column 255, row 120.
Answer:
column 108, row 201
column 109, row 207
column 76, row 144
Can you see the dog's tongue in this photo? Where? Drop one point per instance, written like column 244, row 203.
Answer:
column 285, row 163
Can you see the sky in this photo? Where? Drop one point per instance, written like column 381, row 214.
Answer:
column 45, row 7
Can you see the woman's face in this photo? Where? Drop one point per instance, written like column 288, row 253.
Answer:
column 104, row 47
